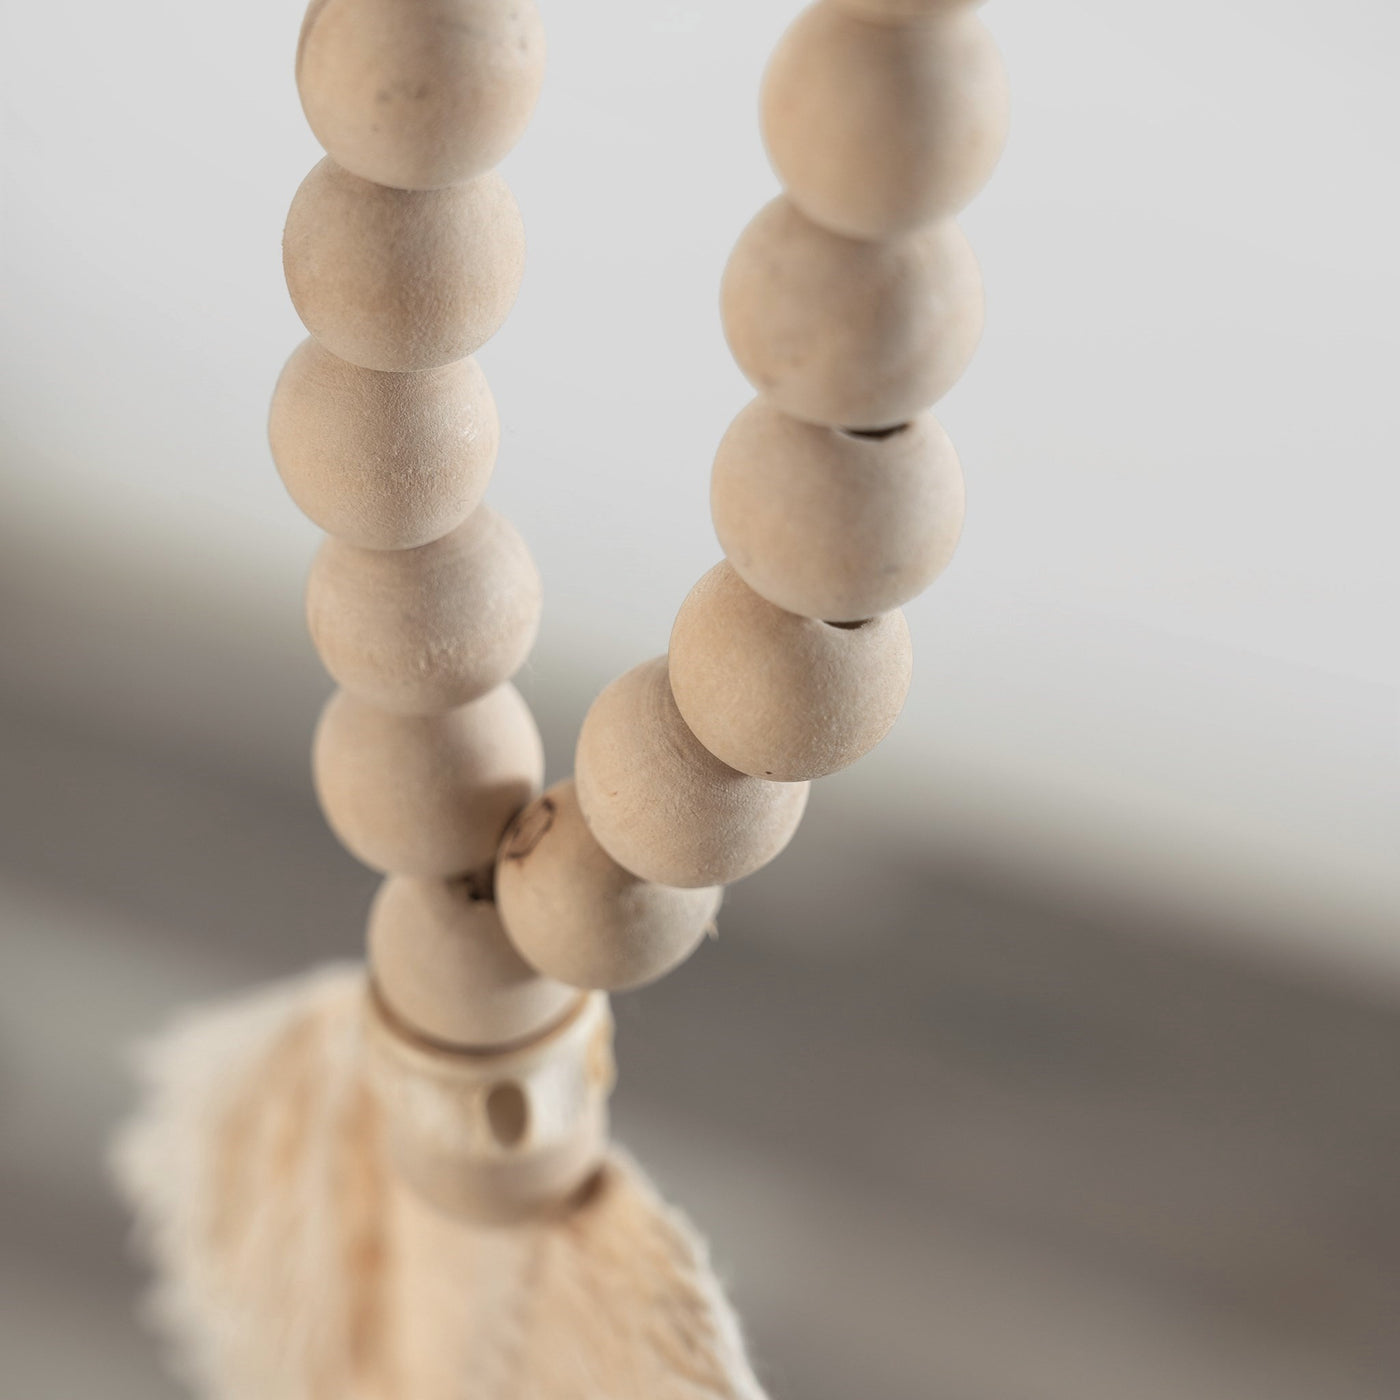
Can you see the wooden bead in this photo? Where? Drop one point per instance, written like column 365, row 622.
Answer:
column 899, row 11
column 577, row 915
column 444, row 965
column 876, row 128
column 780, row 696
column 402, row 279
column 426, row 629
column 426, row 795
column 831, row 524
column 385, row 461
column 661, row 804
column 839, row 331
column 499, row 1136
column 423, row 93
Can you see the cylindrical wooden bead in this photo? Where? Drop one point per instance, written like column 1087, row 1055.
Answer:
column 832, row 524
column 443, row 964
column 876, row 128
column 402, row 279
column 426, row 795
column 851, row 333
column 499, row 1136
column 578, row 916
column 661, row 804
column 781, row 696
column 426, row 629
column 385, row 461
column 419, row 94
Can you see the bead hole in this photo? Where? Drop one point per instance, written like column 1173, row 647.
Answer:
column 507, row 1114
column 528, row 829
column 852, row 626
column 875, row 434
column 478, row 887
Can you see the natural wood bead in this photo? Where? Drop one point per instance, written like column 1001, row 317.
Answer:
column 781, row 696
column 661, row 804
column 876, row 128
column 419, row 93
column 426, row 629
column 856, row 334
column 831, row 524
column 402, row 279
column 426, row 795
column 444, row 965
column 577, row 915
column 386, row 461
column 898, row 11
column 494, row 1137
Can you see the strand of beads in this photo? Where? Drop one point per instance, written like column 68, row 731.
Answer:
column 403, row 255
column 852, row 303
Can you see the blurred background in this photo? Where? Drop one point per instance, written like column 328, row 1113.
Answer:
column 1057, row 1057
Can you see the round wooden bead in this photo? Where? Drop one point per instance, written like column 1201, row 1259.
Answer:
column 498, row 1136
column 661, row 804
column 577, row 915
column 426, row 795
column 831, row 524
column 876, row 128
column 419, row 93
column 780, row 696
column 841, row 331
column 402, row 279
column 426, row 629
column 898, row 11
column 444, row 965
column 386, row 461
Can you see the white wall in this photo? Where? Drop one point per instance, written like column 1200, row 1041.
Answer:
column 1168, row 644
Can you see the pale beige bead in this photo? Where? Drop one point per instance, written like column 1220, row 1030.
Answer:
column 897, row 11
column 387, row 461
column 832, row 524
column 444, row 965
column 498, row 1136
column 402, row 279
column 580, row 917
column 419, row 93
column 840, row 331
column 661, row 804
column 426, row 795
column 876, row 128
column 426, row 629
column 781, row 696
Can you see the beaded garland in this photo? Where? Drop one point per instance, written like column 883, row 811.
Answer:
column 852, row 302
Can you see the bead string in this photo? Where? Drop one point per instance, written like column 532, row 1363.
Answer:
column 851, row 302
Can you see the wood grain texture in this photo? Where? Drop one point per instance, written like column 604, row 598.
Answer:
column 419, row 94
column 426, row 795
column 578, row 916
column 780, row 696
column 849, row 333
column 402, row 279
column 834, row 525
column 876, row 128
column 494, row 1137
column 382, row 460
column 423, row 630
column 444, row 966
column 661, row 804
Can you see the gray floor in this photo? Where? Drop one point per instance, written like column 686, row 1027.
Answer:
column 950, row 1136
